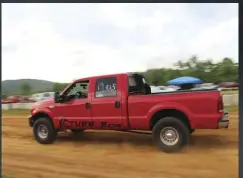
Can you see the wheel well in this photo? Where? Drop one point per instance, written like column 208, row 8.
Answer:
column 40, row 115
column 169, row 113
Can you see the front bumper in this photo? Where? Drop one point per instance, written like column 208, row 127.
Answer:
column 224, row 122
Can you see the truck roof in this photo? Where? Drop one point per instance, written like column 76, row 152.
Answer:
column 106, row 75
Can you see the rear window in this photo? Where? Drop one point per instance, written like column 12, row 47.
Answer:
column 136, row 83
column 106, row 87
column 132, row 81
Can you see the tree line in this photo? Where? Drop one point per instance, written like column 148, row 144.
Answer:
column 208, row 71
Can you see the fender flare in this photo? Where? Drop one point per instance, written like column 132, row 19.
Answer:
column 45, row 112
column 168, row 105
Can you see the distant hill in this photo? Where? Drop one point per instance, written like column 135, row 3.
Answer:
column 14, row 86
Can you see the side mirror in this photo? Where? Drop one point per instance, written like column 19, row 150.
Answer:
column 57, row 97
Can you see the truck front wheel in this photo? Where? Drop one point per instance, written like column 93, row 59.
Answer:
column 44, row 131
column 170, row 134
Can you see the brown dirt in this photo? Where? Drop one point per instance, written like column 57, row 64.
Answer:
column 105, row 154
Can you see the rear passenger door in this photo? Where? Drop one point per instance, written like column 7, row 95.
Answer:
column 106, row 104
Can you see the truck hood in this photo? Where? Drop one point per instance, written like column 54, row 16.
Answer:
column 43, row 104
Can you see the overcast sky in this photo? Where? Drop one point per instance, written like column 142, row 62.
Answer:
column 62, row 42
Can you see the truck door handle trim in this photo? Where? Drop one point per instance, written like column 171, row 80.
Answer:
column 117, row 104
column 87, row 105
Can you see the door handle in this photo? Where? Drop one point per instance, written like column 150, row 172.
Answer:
column 117, row 104
column 87, row 105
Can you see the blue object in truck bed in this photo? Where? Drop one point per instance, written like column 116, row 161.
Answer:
column 184, row 80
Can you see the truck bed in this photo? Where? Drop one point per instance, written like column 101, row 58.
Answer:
column 186, row 91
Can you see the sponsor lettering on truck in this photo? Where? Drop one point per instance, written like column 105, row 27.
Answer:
column 124, row 102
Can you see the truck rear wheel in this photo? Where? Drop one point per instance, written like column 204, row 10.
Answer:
column 44, row 132
column 170, row 134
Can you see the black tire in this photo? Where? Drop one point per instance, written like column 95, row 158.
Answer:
column 51, row 134
column 77, row 131
column 174, row 124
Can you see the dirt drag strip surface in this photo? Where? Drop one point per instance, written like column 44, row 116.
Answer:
column 106, row 154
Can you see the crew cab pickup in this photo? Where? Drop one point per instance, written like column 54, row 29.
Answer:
column 124, row 102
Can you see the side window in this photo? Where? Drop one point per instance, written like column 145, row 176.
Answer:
column 78, row 90
column 106, row 87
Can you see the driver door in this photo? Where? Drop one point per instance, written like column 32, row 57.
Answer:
column 75, row 112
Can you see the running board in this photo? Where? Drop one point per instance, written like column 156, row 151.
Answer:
column 137, row 132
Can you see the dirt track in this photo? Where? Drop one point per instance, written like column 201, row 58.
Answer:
column 211, row 154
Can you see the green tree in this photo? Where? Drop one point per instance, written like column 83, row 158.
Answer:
column 206, row 70
column 25, row 88
column 59, row 86
column 4, row 96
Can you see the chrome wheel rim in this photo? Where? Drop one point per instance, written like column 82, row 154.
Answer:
column 42, row 131
column 169, row 136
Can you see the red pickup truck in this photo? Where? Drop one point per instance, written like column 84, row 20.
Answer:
column 124, row 102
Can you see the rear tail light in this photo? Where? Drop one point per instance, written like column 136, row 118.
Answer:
column 220, row 104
